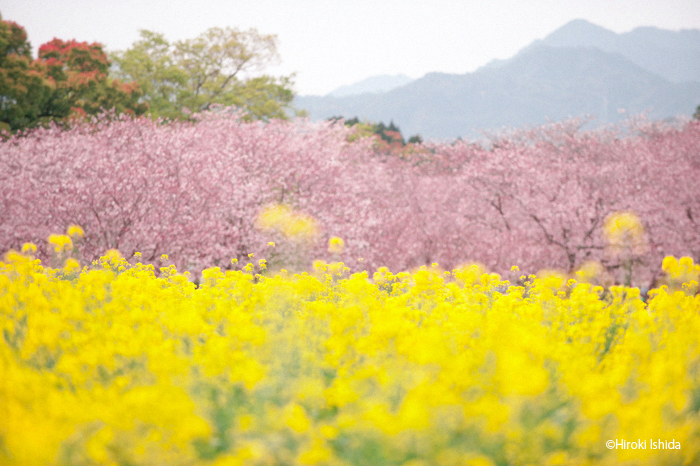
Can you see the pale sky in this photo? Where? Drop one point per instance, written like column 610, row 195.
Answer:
column 330, row 43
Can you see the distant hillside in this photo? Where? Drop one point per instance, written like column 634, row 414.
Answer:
column 372, row 85
column 541, row 82
column 674, row 55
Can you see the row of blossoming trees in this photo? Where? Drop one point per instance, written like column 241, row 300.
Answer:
column 535, row 198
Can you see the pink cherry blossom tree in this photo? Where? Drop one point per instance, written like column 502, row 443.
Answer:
column 537, row 198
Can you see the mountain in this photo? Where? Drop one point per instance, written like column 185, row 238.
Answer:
column 673, row 55
column 551, row 79
column 372, row 85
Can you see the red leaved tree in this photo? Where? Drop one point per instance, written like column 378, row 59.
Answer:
column 68, row 77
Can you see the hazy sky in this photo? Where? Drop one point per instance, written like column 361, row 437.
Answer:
column 330, row 43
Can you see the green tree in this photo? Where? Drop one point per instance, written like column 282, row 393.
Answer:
column 697, row 113
column 23, row 88
column 390, row 134
column 151, row 63
column 67, row 78
column 221, row 66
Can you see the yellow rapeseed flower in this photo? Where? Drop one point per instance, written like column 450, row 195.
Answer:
column 29, row 248
column 336, row 245
column 60, row 242
column 283, row 219
column 71, row 265
column 314, row 368
column 113, row 255
column 317, row 453
column 296, row 418
column 624, row 230
column 75, row 231
column 681, row 274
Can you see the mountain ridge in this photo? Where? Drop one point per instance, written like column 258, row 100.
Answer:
column 541, row 82
column 674, row 55
column 372, row 85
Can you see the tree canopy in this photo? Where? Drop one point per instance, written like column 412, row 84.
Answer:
column 79, row 73
column 68, row 77
column 23, row 90
column 388, row 138
column 220, row 66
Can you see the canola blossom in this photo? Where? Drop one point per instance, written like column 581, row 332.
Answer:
column 123, row 364
column 336, row 245
column 283, row 219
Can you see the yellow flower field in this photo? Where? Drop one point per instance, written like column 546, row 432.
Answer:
column 119, row 365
